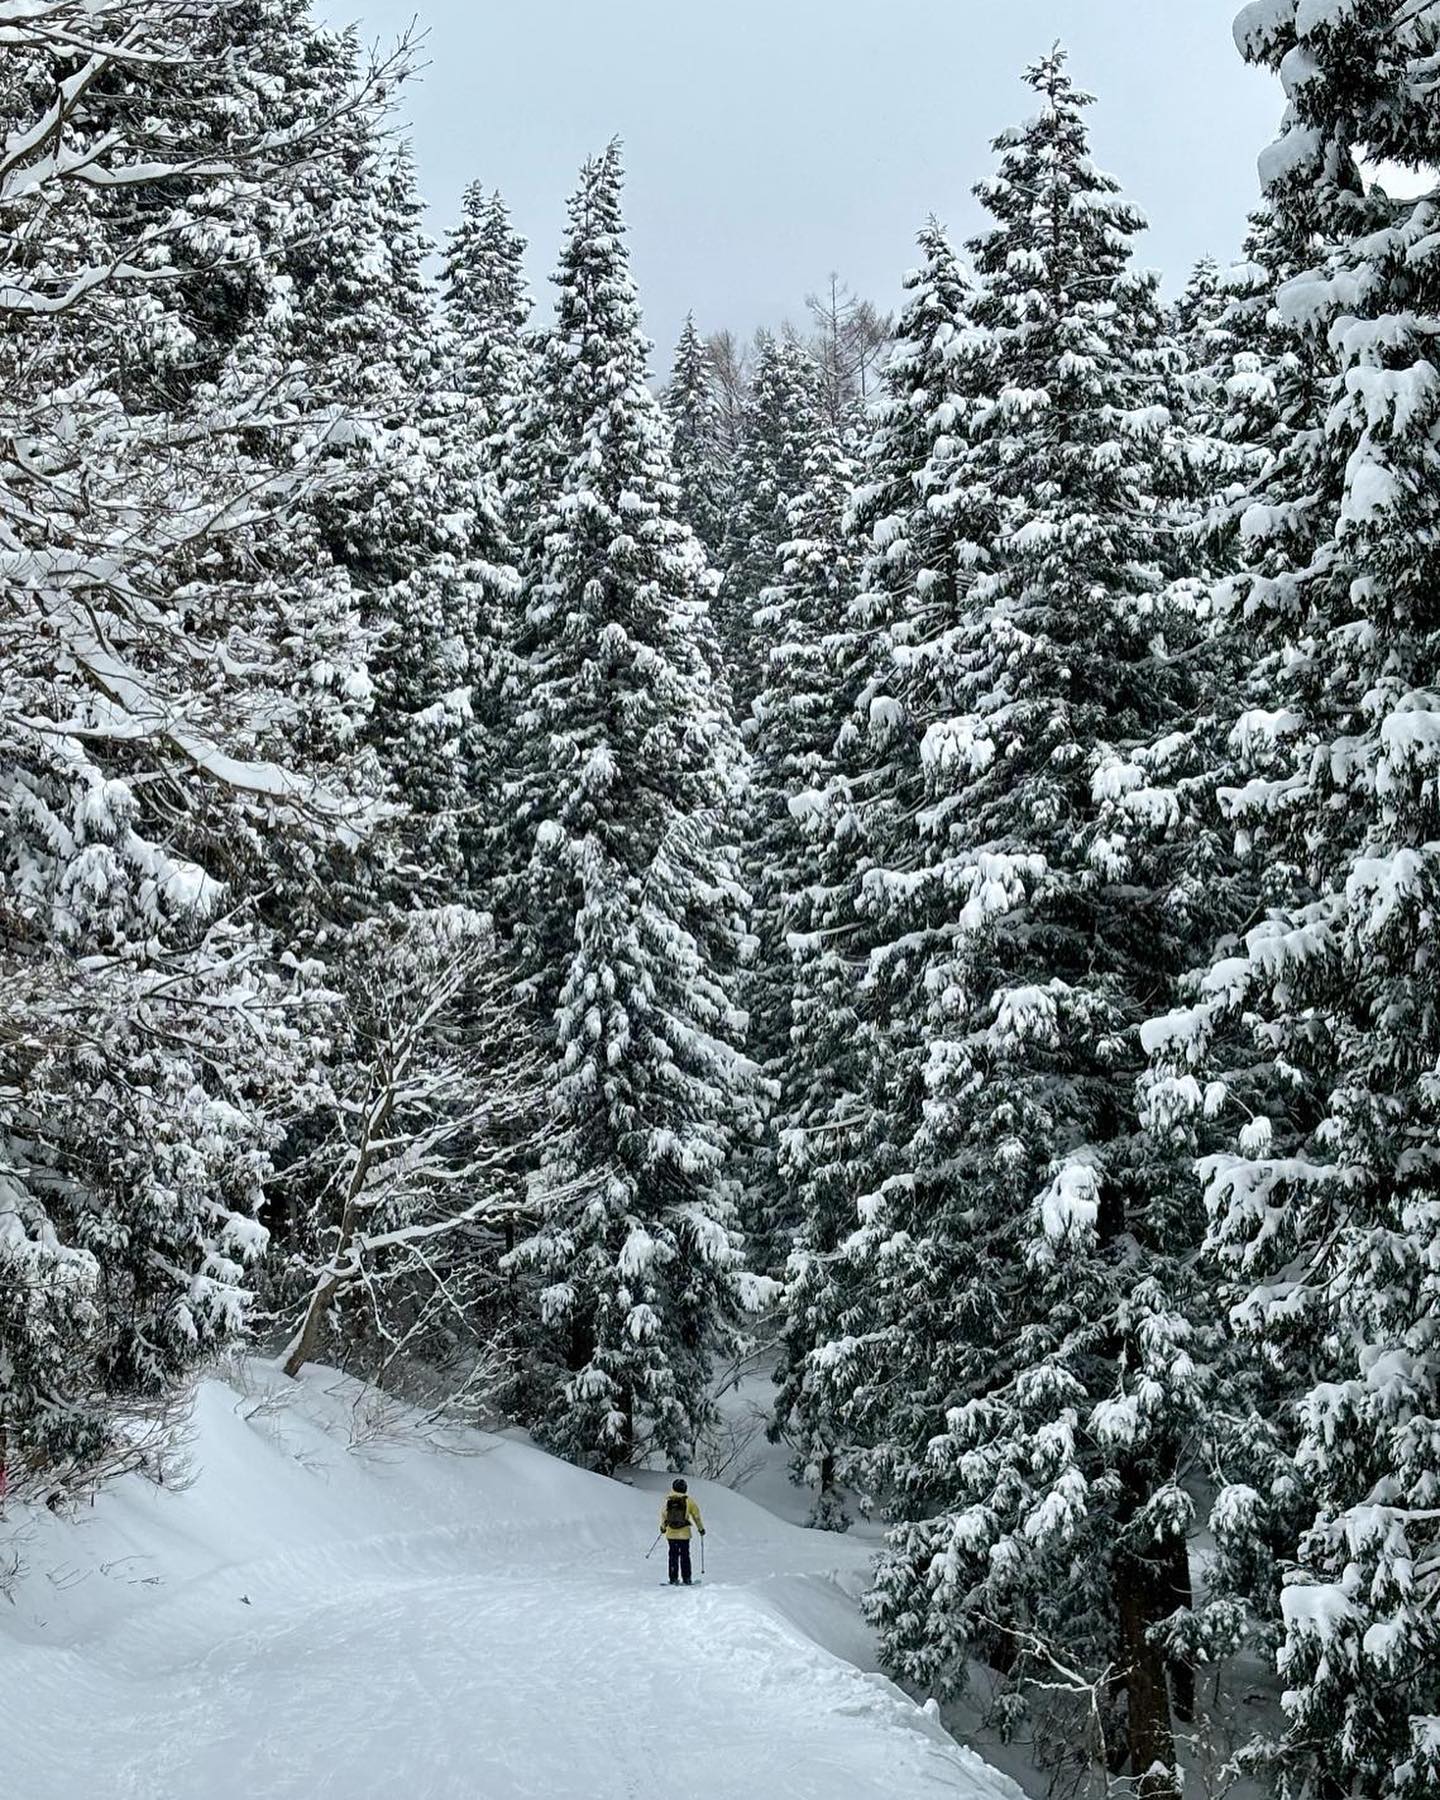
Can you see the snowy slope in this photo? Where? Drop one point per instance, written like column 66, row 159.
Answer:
column 308, row 1619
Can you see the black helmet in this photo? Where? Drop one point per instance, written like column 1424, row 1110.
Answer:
column 679, row 1485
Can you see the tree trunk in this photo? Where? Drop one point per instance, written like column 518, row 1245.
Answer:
column 1141, row 1595
column 1182, row 1671
column 627, row 1406
column 582, row 1341
column 303, row 1345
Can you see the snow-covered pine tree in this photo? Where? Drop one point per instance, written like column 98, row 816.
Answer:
column 807, row 854
column 781, row 423
column 147, row 1042
column 798, row 715
column 1254, row 380
column 1194, row 324
column 370, row 388
column 628, row 909
column 1324, row 1200
column 239, row 348
column 409, row 511
column 701, row 472
column 493, row 353
column 1020, row 1342
column 844, row 1131
column 487, row 306
column 1194, row 311
column 434, row 529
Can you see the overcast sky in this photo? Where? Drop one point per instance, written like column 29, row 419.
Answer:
column 771, row 141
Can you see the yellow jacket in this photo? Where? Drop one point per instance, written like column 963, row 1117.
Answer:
column 682, row 1532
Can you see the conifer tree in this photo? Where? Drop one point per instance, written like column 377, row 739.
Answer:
column 629, row 909
column 798, row 714
column 1019, row 1341
column 487, row 307
column 693, row 409
column 1194, row 311
column 1322, row 1199
column 1194, row 322
column 844, row 1125
column 781, row 423
column 407, row 520
column 806, row 853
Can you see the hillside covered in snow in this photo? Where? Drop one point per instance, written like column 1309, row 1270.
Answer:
column 333, row 1606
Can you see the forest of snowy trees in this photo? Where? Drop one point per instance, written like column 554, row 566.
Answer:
column 916, row 847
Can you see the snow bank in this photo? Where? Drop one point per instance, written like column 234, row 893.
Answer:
column 315, row 1616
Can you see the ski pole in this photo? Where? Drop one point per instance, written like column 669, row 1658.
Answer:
column 702, row 1552
column 651, row 1551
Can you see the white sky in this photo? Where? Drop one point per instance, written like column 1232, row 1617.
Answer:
column 770, row 141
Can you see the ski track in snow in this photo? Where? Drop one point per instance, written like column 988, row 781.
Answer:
column 527, row 1651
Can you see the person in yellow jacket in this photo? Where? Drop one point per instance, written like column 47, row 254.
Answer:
column 676, row 1517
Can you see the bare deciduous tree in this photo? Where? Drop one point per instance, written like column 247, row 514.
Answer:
column 850, row 337
column 414, row 1175
column 730, row 361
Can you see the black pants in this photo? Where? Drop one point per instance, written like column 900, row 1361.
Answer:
column 679, row 1559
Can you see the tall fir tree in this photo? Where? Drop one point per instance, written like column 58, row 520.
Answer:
column 1193, row 312
column 628, row 910
column 1020, row 1338
column 1323, row 1199
column 407, row 518
column 487, row 303
column 797, row 714
column 843, row 1126
column 692, row 405
column 780, row 424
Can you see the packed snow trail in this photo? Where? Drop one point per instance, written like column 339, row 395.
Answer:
column 306, row 1621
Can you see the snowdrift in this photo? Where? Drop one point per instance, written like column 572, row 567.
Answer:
column 312, row 1617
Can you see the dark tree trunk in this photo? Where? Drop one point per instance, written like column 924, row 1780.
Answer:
column 1142, row 1594
column 582, row 1341
column 1182, row 1671
column 627, row 1407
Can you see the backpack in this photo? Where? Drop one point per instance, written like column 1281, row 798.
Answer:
column 677, row 1512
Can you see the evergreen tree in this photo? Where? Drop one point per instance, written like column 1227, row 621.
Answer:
column 1254, row 379
column 693, row 409
column 629, row 910
column 1193, row 314
column 843, row 1121
column 1323, row 1200
column 781, row 423
column 798, row 715
column 806, row 854
column 1020, row 1335
column 406, row 521
column 487, row 306
column 1194, row 322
